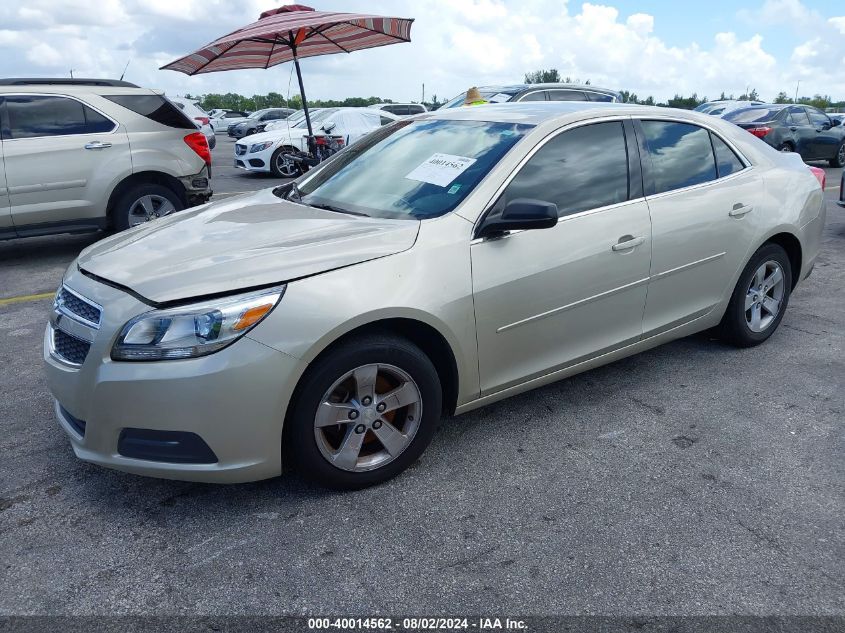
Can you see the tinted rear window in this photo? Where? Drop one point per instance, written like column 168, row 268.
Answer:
column 156, row 108
column 752, row 115
column 681, row 155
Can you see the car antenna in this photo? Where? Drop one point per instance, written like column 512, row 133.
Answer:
column 124, row 68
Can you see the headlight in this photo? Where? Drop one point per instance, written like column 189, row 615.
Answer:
column 260, row 147
column 194, row 330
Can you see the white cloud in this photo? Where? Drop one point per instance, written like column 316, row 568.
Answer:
column 456, row 43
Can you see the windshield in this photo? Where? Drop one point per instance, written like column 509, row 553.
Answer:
column 752, row 115
column 491, row 95
column 411, row 169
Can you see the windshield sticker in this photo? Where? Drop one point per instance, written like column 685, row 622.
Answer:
column 499, row 98
column 454, row 189
column 441, row 169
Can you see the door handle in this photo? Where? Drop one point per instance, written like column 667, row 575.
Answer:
column 740, row 210
column 97, row 145
column 627, row 242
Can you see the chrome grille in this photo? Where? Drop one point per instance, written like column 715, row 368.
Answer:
column 78, row 308
column 70, row 348
column 240, row 150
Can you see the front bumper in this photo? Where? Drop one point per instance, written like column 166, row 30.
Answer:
column 234, row 400
column 256, row 161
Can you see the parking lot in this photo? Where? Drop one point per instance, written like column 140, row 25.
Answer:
column 695, row 478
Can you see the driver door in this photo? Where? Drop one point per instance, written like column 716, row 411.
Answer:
column 546, row 299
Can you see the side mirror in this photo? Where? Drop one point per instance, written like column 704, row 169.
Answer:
column 836, row 121
column 328, row 127
column 522, row 214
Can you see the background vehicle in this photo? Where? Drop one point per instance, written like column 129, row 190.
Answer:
column 83, row 154
column 538, row 92
column 346, row 313
column 270, row 151
column 250, row 124
column 841, row 201
column 794, row 128
column 199, row 116
column 291, row 120
column 401, row 109
column 721, row 108
column 221, row 121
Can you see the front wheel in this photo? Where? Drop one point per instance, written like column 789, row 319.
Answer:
column 284, row 167
column 759, row 299
column 839, row 159
column 364, row 412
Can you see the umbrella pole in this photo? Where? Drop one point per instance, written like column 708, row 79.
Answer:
column 302, row 93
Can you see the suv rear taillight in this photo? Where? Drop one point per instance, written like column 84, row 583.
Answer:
column 197, row 142
column 760, row 132
column 202, row 119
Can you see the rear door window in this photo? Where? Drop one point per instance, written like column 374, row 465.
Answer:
column 799, row 115
column 36, row 116
column 599, row 96
column 727, row 162
column 581, row 169
column 156, row 108
column 681, row 155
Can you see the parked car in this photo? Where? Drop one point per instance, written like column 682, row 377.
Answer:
column 794, row 128
column 841, row 201
column 86, row 154
column 290, row 121
column 199, row 116
column 538, row 92
column 250, row 124
column 721, row 108
column 265, row 152
column 222, row 120
column 401, row 109
column 436, row 266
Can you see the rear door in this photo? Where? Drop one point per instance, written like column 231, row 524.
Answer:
column 804, row 132
column 7, row 228
column 547, row 299
column 62, row 159
column 703, row 200
column 828, row 137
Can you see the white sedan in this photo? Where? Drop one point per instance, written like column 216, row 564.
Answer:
column 264, row 152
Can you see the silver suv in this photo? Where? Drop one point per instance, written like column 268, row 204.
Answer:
column 85, row 154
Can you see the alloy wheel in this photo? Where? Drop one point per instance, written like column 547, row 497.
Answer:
column 368, row 417
column 841, row 154
column 148, row 208
column 286, row 166
column 764, row 296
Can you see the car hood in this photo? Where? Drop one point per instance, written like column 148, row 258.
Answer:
column 276, row 135
column 241, row 243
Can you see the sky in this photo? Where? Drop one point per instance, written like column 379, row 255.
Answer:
column 650, row 47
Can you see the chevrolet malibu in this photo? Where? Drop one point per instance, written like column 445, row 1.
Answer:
column 442, row 263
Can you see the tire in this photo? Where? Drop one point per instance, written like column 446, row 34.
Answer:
column 738, row 324
column 279, row 170
column 212, row 143
column 335, row 388
column 249, row 132
column 134, row 203
column 786, row 147
column 838, row 159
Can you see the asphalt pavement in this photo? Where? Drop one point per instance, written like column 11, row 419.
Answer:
column 692, row 479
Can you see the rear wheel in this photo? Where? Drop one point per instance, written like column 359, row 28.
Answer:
column 363, row 413
column 839, row 159
column 284, row 167
column 759, row 299
column 142, row 203
column 786, row 147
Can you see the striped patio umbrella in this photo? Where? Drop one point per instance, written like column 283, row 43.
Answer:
column 290, row 33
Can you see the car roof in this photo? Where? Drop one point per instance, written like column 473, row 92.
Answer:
column 548, row 86
column 536, row 112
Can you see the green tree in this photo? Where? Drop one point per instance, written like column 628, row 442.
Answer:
column 783, row 98
column 551, row 76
